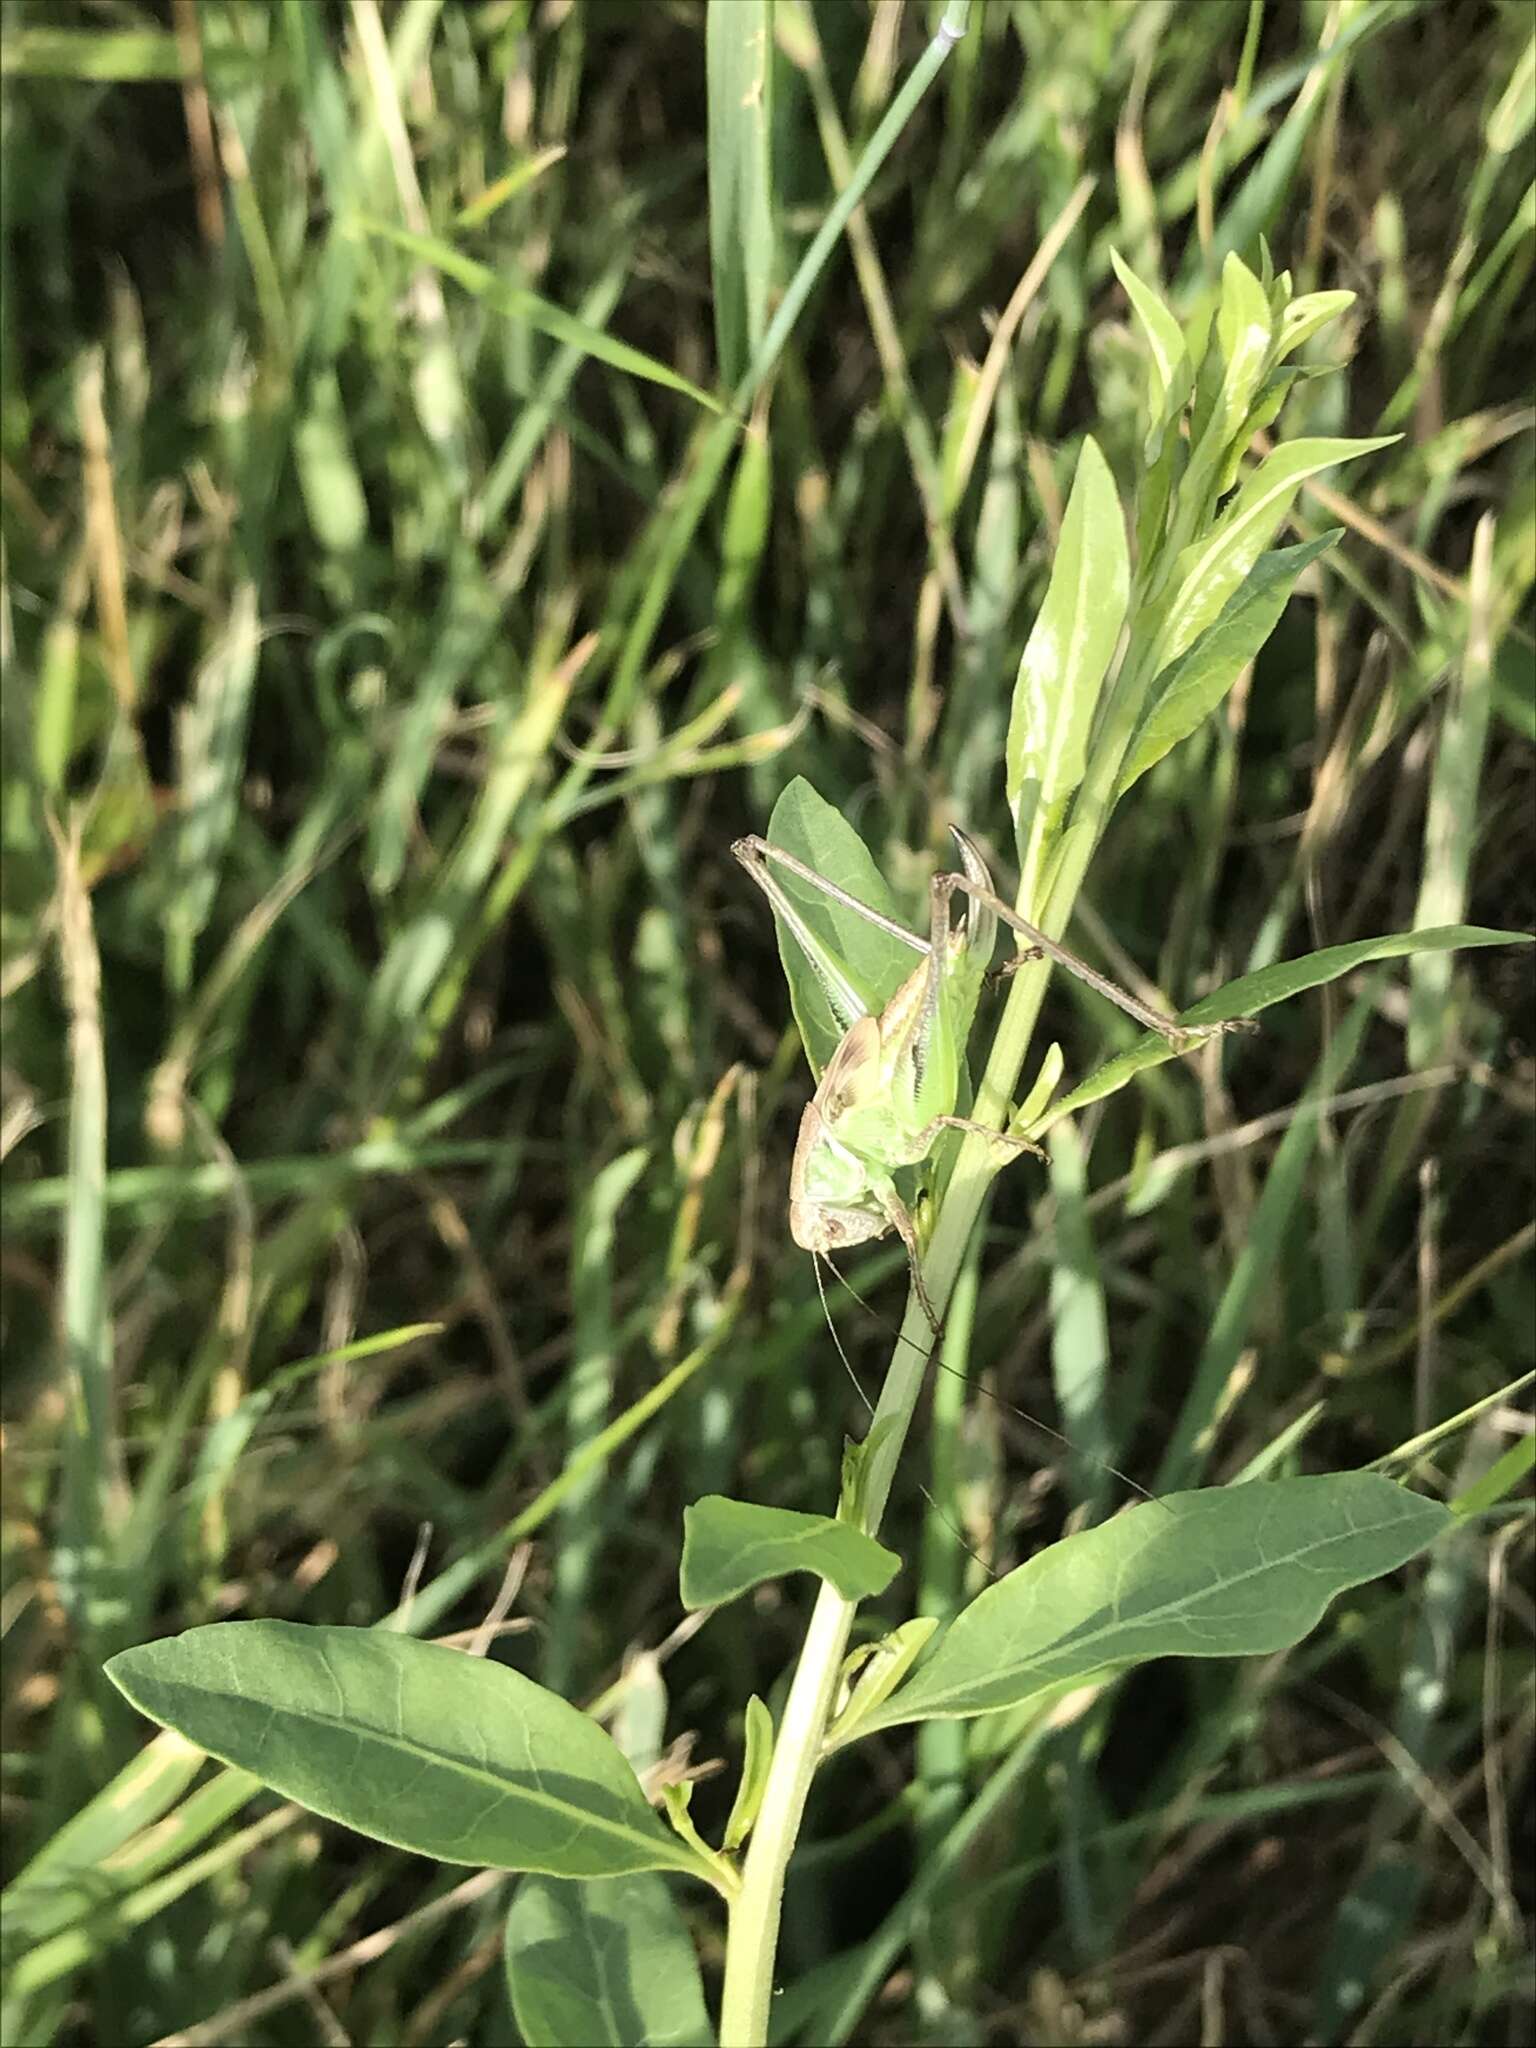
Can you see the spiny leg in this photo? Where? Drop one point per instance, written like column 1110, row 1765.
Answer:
column 968, row 1124
column 755, row 853
column 901, row 1222
column 1180, row 1036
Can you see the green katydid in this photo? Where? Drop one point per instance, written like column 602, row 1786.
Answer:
column 889, row 1090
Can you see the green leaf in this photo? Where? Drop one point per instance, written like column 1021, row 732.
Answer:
column 121, row 56
column 1071, row 645
column 516, row 302
column 758, row 1755
column 1210, row 569
column 210, row 745
column 1221, row 1572
column 65, row 1880
column 604, row 1964
column 1306, row 316
column 731, row 1545
column 1243, row 330
column 1165, row 343
column 1513, row 1469
column 738, row 60
column 447, row 1755
column 807, row 826
column 872, row 1674
column 1251, row 993
column 1190, row 688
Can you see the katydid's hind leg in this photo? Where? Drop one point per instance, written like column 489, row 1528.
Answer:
column 973, row 1129
column 1182, row 1037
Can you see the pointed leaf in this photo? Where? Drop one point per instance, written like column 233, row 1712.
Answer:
column 1072, row 644
column 757, row 1756
column 516, row 302
column 732, row 1545
column 448, row 1755
column 603, row 1963
column 1251, row 993
column 1189, row 689
column 1307, row 316
column 1165, row 341
column 1210, row 570
column 738, row 68
column 1242, row 328
column 1221, row 1572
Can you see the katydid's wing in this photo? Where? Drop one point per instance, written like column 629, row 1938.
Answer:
column 853, row 1071
column 867, row 960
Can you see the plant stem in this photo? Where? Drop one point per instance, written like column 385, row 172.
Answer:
column 753, row 1937
column 754, row 1921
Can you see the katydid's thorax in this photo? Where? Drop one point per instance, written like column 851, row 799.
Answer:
column 915, row 1072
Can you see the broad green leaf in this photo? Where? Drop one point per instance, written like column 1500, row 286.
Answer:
column 1189, row 689
column 732, row 1545
column 1165, row 341
column 1251, row 993
column 1210, row 569
column 876, row 964
column 1071, row 645
column 1221, row 1572
column 738, row 65
column 516, row 302
column 756, row 1757
column 1242, row 328
column 603, row 1963
column 448, row 1755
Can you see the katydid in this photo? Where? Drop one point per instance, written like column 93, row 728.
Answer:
column 890, row 1088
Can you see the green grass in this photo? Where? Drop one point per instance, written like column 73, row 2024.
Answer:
column 398, row 1082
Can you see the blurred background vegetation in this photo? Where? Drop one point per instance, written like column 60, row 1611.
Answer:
column 387, row 673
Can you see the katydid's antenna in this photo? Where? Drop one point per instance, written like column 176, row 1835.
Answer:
column 955, row 1373
column 959, row 1535
column 826, row 1316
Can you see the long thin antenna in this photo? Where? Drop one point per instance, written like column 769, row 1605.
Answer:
column 826, row 1316
column 954, row 1371
column 959, row 1534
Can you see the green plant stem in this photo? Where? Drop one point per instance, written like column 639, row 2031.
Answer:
column 1056, row 872
column 754, row 1924
column 754, row 1920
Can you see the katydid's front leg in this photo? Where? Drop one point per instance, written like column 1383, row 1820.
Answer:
column 900, row 1218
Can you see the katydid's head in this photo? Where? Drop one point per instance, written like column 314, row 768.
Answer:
column 817, row 1228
